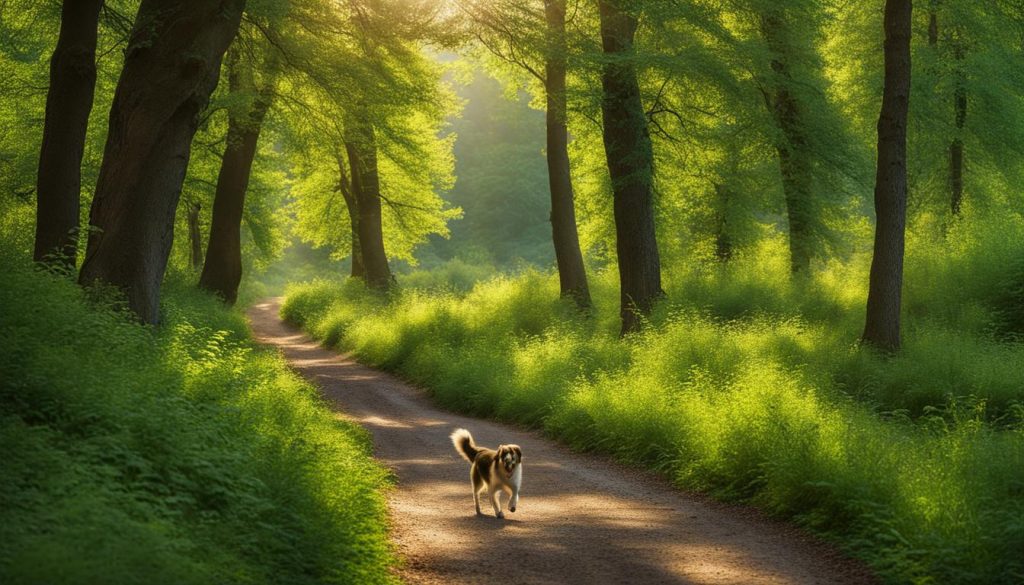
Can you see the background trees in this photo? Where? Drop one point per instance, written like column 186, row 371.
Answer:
column 748, row 124
column 532, row 39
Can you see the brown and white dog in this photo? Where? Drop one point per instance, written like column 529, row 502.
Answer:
column 498, row 471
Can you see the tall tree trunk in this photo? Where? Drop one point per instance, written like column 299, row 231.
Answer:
column 630, row 156
column 956, row 148
column 723, row 242
column 933, row 24
column 195, row 236
column 345, row 184
column 68, row 103
column 222, row 271
column 572, row 274
column 794, row 162
column 362, row 156
column 882, row 327
column 172, row 65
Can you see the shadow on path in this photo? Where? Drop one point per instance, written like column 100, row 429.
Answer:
column 581, row 519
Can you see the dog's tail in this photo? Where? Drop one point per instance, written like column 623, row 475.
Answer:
column 464, row 444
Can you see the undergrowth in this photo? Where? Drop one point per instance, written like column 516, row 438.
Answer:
column 750, row 386
column 178, row 454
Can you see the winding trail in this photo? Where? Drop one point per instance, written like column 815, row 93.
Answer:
column 581, row 519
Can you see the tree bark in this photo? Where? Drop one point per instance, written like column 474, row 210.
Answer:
column 956, row 148
column 882, row 327
column 345, row 185
column 627, row 145
column 794, row 163
column 933, row 25
column 362, row 156
column 572, row 273
column 68, row 104
column 172, row 64
column 195, row 236
column 222, row 271
column 723, row 242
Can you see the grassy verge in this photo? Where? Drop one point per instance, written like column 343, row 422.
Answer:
column 747, row 386
column 182, row 454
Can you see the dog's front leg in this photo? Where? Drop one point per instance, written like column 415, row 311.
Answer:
column 517, row 480
column 495, row 502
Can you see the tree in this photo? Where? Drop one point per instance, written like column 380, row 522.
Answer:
column 792, row 146
column 630, row 157
column 365, row 112
column 172, row 65
column 956, row 145
column 882, row 327
column 361, row 146
column 345, row 187
column 533, row 41
column 572, row 274
column 195, row 237
column 68, row 104
column 222, row 270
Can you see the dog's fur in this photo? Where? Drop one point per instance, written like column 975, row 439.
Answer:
column 497, row 471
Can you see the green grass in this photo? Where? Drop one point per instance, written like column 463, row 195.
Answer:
column 178, row 454
column 750, row 386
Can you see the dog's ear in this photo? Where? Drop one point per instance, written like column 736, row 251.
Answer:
column 518, row 452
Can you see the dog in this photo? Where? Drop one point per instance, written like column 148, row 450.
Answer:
column 497, row 471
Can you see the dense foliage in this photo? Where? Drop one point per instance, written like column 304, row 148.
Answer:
column 184, row 454
column 748, row 385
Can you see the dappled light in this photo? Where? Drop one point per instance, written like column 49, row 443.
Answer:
column 744, row 280
column 565, row 531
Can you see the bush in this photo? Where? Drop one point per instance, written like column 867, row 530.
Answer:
column 750, row 386
column 177, row 454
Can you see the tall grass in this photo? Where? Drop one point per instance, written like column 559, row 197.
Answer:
column 178, row 454
column 750, row 386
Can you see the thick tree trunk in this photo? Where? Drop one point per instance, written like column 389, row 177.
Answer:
column 882, row 327
column 345, row 185
column 68, row 104
column 222, row 271
column 794, row 162
column 172, row 65
column 572, row 274
column 628, row 149
column 362, row 156
column 956, row 148
column 195, row 236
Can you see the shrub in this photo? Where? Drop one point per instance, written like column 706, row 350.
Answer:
column 749, row 386
column 177, row 454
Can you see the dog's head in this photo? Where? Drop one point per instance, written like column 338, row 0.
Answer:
column 510, row 456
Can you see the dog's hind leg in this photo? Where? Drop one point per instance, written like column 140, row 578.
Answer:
column 478, row 486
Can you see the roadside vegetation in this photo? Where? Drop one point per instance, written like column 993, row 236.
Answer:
column 178, row 454
column 750, row 385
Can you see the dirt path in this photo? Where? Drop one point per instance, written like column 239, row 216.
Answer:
column 581, row 519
